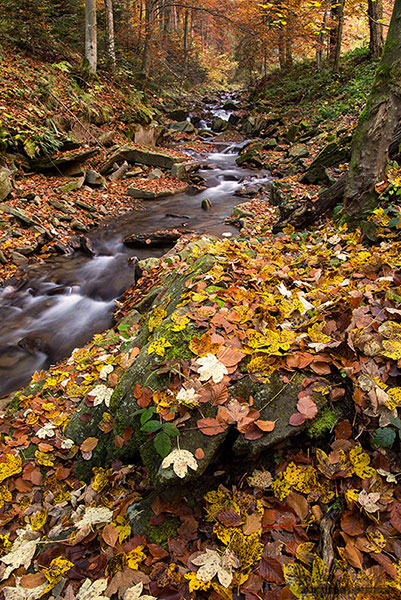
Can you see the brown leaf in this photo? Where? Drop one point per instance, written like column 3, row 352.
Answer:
column 32, row 580
column 110, row 535
column 210, row 426
column 352, row 523
column 299, row 505
column 89, row 444
column 253, row 524
column 271, row 570
column 228, row 517
column 229, row 356
column 353, row 556
column 219, row 394
column 343, row 430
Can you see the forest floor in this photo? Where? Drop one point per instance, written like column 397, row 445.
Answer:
column 316, row 516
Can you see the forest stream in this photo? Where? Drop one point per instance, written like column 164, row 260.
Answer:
column 61, row 304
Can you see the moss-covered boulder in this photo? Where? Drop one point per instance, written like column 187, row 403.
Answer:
column 5, row 186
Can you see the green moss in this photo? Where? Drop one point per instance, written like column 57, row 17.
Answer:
column 160, row 534
column 323, row 424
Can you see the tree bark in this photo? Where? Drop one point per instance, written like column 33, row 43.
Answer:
column 321, row 36
column 281, row 50
column 375, row 13
column 376, row 126
column 91, row 35
column 111, row 52
column 146, row 58
column 339, row 35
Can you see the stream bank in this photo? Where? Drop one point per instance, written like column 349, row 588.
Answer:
column 59, row 305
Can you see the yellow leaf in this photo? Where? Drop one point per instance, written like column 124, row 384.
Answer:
column 11, row 466
column 159, row 347
column 38, row 519
column 360, row 462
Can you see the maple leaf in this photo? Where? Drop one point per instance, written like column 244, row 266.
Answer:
column 180, row 460
column 369, row 501
column 22, row 551
column 47, row 431
column 135, row 593
column 189, row 397
column 159, row 347
column 92, row 590
column 93, row 515
column 211, row 368
column 101, row 393
column 211, row 564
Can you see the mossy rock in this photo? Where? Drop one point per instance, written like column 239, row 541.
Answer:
column 143, row 371
column 277, row 401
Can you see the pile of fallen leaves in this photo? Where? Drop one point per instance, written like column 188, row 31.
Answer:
column 322, row 521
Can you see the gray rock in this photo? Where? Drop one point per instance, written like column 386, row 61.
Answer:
column 134, row 172
column 179, row 114
column 120, row 172
column 107, row 138
column 219, row 125
column 155, row 174
column 5, row 185
column 94, row 178
column 298, row 151
column 84, row 205
column 140, row 194
column 18, row 214
column 183, row 127
column 18, row 259
column 150, row 157
column 62, row 161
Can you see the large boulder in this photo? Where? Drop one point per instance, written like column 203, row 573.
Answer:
column 276, row 399
column 183, row 127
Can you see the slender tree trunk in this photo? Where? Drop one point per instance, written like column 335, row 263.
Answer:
column 375, row 13
column 376, row 126
column 146, row 58
column 111, row 51
column 321, row 37
column 186, row 34
column 91, row 35
column 281, row 50
column 339, row 36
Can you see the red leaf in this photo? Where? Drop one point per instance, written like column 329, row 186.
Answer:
column 297, row 419
column 307, row 407
column 271, row 570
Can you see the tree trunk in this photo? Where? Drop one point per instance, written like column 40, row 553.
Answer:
column 186, row 34
column 320, row 39
column 339, row 35
column 91, row 35
column 111, row 52
column 281, row 51
column 375, row 13
column 146, row 58
column 376, row 126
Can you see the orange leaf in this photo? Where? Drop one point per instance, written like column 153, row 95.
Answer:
column 199, row 454
column 203, row 345
column 89, row 444
column 32, row 580
column 265, row 425
column 230, row 356
column 110, row 535
column 228, row 517
column 210, row 426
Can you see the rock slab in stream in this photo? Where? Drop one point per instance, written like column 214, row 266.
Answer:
column 130, row 153
column 140, row 194
column 154, row 238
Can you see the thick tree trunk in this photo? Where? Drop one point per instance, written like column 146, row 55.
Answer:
column 91, row 35
column 376, row 126
column 111, row 52
column 322, row 34
column 375, row 13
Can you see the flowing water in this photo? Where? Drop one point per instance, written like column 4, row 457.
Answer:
column 60, row 305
